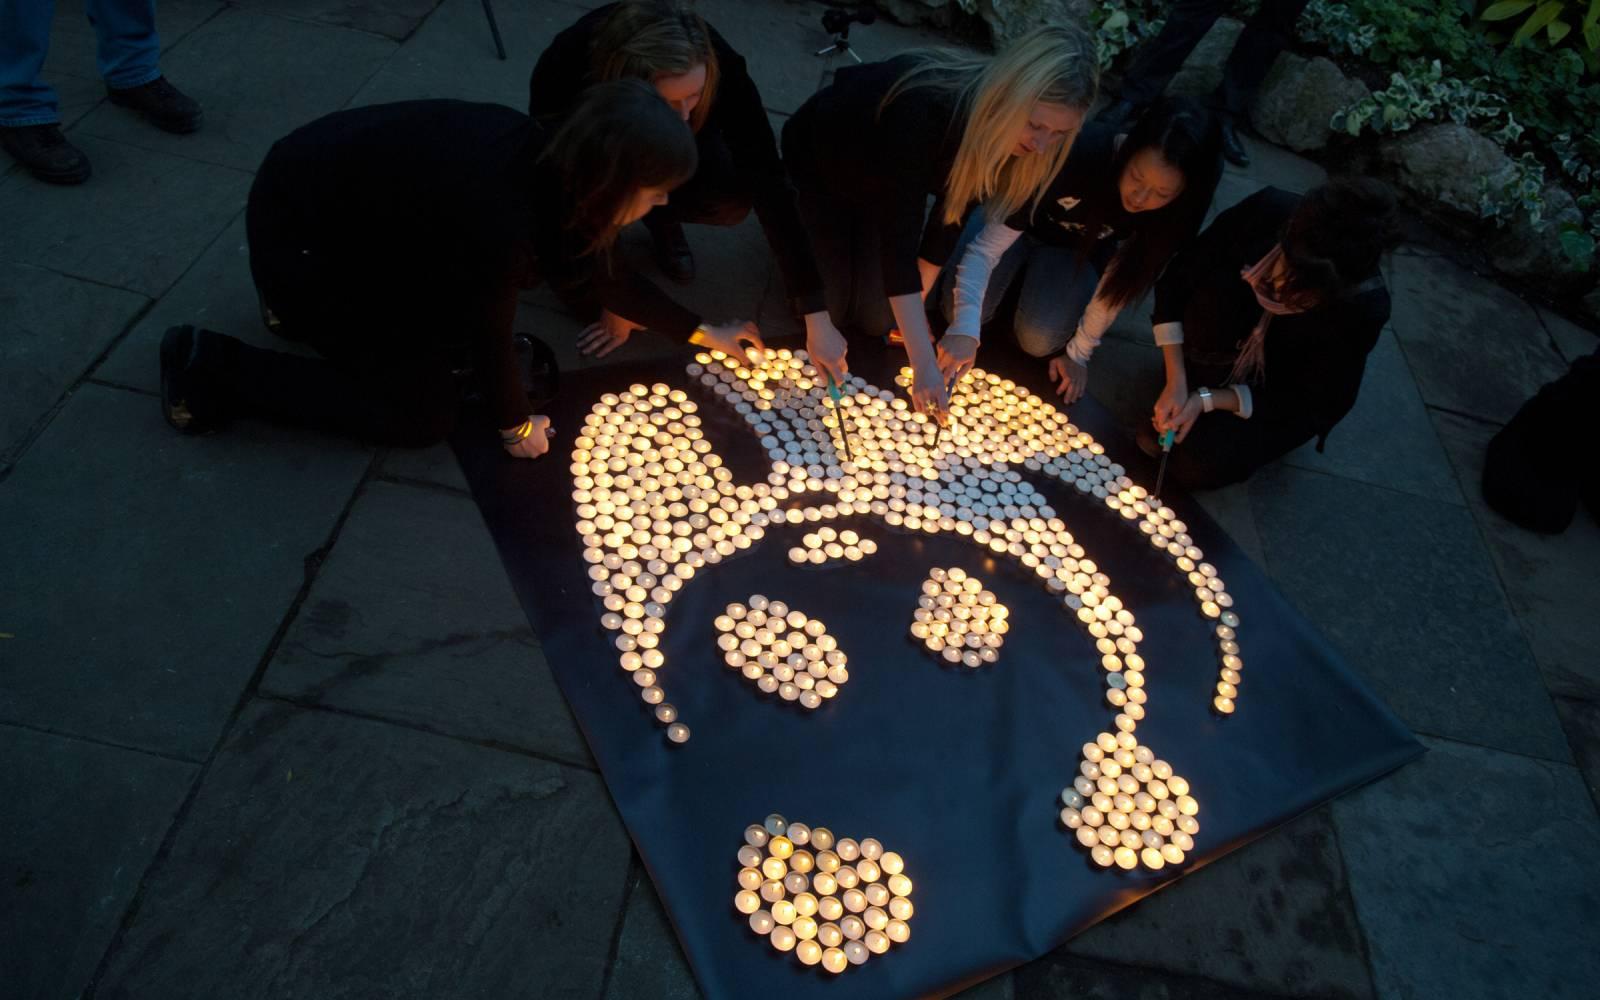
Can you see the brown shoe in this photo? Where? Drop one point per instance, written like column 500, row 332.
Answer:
column 46, row 153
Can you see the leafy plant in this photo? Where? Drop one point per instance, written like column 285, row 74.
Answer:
column 1548, row 23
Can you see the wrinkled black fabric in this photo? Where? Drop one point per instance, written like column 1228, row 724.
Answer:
column 958, row 770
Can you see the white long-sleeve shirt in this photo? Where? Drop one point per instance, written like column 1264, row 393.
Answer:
column 976, row 266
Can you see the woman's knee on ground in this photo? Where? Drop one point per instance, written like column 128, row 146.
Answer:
column 1039, row 339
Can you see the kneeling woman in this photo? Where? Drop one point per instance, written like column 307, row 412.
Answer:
column 1270, row 313
column 866, row 152
column 1110, row 221
column 393, row 240
column 668, row 45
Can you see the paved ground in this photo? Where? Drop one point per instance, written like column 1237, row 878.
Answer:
column 271, row 723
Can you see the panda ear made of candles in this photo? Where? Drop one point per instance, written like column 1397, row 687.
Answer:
column 655, row 505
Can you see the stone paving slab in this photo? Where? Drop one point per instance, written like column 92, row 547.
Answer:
column 436, row 464
column 1388, row 438
column 1402, row 586
column 215, row 293
column 344, row 859
column 258, row 78
column 1062, row 977
column 412, row 619
column 395, row 19
column 55, row 327
column 778, row 42
column 452, row 54
column 81, row 824
column 1474, row 347
column 1545, row 578
column 147, row 572
column 138, row 224
column 1275, row 917
column 1475, row 874
column 1572, row 340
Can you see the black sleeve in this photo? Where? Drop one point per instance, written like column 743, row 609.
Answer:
column 562, row 71
column 914, row 130
column 495, row 356
column 1220, row 241
column 637, row 299
column 938, row 237
column 1317, row 387
column 745, row 127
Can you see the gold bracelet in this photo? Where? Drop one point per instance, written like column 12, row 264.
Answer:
column 519, row 434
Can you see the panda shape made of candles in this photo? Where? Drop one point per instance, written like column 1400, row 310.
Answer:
column 655, row 505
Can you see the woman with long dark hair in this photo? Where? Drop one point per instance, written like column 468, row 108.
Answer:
column 1113, row 216
column 867, row 151
column 1271, row 312
column 702, row 78
column 393, row 241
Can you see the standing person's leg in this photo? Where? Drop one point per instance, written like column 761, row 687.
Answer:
column 128, row 55
column 1160, row 58
column 30, row 121
column 1055, row 292
column 1265, row 35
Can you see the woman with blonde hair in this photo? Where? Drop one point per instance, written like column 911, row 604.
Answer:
column 694, row 70
column 867, row 151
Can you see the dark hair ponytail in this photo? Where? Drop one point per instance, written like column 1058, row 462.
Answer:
column 1187, row 137
column 1336, row 236
column 620, row 136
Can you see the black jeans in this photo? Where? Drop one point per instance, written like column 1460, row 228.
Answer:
column 1265, row 35
column 384, row 375
column 1223, row 449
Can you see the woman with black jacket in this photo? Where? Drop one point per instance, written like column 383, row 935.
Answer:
column 393, row 241
column 703, row 79
column 868, row 151
column 1271, row 313
column 1122, row 205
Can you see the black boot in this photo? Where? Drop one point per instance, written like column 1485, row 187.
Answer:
column 46, row 153
column 672, row 251
column 1233, row 145
column 191, row 362
column 166, row 107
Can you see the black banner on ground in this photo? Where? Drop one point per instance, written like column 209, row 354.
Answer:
column 957, row 770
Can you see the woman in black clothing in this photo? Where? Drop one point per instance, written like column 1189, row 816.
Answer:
column 702, row 78
column 393, row 240
column 1271, row 312
column 1116, row 213
column 867, row 151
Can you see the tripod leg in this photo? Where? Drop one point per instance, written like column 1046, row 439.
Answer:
column 494, row 29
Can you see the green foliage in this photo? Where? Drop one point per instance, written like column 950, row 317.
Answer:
column 1120, row 25
column 1549, row 24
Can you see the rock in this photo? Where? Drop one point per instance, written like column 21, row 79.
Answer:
column 1591, row 303
column 1440, row 167
column 1298, row 99
column 1202, row 71
column 1525, row 250
column 1007, row 19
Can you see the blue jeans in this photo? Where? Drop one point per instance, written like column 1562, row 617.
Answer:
column 127, row 51
column 1056, row 289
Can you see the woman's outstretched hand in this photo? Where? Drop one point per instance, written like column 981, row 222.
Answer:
column 1070, row 378
column 733, row 339
column 826, row 347
column 531, row 445
column 957, row 353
